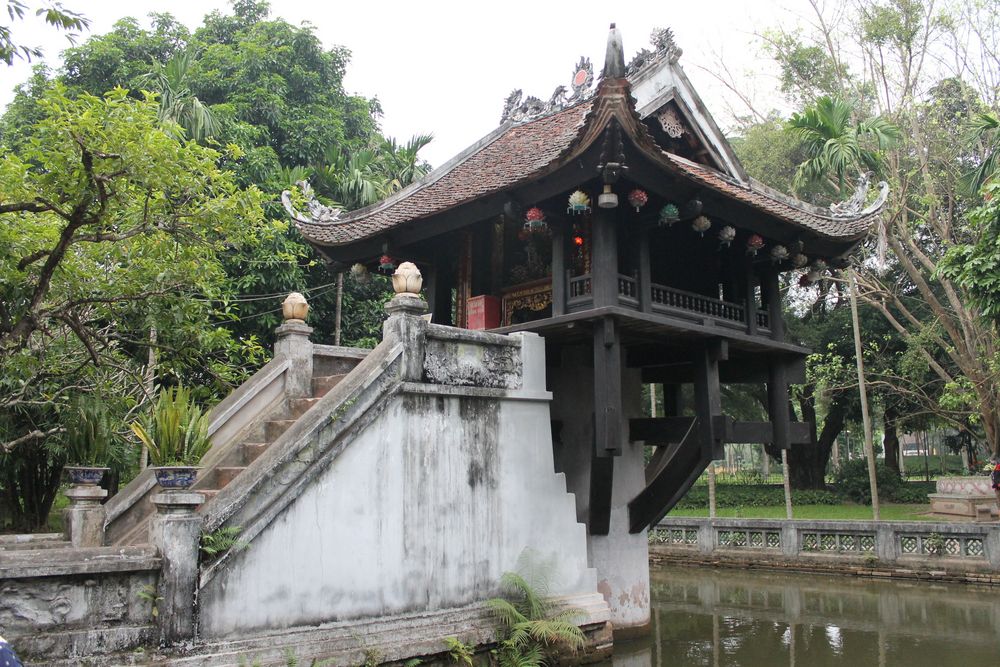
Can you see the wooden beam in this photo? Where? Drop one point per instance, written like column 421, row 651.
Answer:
column 772, row 294
column 604, row 257
column 645, row 273
column 599, row 506
column 708, row 397
column 745, row 370
column 607, row 388
column 777, row 403
column 558, row 268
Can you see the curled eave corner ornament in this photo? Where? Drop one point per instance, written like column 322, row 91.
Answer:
column 518, row 110
column 315, row 211
column 855, row 206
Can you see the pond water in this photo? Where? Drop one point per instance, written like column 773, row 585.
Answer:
column 735, row 618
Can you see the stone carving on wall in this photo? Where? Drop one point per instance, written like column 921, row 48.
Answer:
column 472, row 364
column 518, row 110
column 316, row 212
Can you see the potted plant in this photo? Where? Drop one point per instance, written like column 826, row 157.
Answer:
column 175, row 433
column 89, row 435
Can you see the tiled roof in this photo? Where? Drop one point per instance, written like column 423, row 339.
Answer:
column 509, row 156
column 774, row 203
column 516, row 153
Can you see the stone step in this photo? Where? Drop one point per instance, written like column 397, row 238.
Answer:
column 208, row 493
column 323, row 384
column 275, row 427
column 299, row 406
column 251, row 450
column 225, row 474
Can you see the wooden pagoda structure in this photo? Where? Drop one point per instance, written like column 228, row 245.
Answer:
column 617, row 223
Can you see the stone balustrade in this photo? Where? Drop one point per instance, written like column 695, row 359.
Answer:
column 960, row 546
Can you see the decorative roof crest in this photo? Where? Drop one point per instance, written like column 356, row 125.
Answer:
column 664, row 46
column 517, row 111
column 855, row 206
column 316, row 212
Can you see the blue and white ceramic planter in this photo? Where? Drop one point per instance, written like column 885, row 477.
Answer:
column 175, row 477
column 85, row 474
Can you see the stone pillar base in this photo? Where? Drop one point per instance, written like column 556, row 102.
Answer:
column 176, row 532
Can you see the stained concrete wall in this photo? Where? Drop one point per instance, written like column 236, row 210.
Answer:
column 620, row 558
column 423, row 510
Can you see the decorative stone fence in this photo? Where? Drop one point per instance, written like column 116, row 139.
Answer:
column 968, row 547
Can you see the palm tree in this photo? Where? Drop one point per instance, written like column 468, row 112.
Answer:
column 400, row 164
column 835, row 146
column 985, row 133
column 179, row 107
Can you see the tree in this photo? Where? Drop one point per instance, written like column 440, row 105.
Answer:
column 178, row 105
column 835, row 147
column 905, row 49
column 53, row 13
column 107, row 225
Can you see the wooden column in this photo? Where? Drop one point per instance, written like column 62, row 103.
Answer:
column 645, row 275
column 442, row 281
column 772, row 294
column 777, row 402
column 750, row 296
column 708, row 396
column 607, row 388
column 558, row 268
column 604, row 258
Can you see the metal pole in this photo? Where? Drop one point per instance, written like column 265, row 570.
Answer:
column 862, row 390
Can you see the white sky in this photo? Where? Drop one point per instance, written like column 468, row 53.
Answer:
column 446, row 67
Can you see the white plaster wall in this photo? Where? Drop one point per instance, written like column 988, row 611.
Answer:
column 424, row 510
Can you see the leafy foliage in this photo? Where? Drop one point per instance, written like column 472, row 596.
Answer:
column 53, row 14
column 853, row 483
column 530, row 627
column 176, row 430
column 222, row 540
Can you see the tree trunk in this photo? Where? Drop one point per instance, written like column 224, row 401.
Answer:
column 807, row 463
column 890, row 443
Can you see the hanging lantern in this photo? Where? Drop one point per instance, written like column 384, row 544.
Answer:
column 701, row 224
column 754, row 243
column 359, row 273
column 637, row 199
column 779, row 253
column 578, row 240
column 386, row 264
column 607, row 199
column 726, row 236
column 669, row 215
column 579, row 202
column 799, row 260
column 534, row 219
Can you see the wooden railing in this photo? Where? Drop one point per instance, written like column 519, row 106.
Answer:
column 628, row 290
column 579, row 288
column 664, row 297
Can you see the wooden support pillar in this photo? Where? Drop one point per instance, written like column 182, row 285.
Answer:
column 558, row 268
column 673, row 400
column 708, row 396
column 601, row 480
column 777, row 402
column 439, row 291
column 750, row 296
column 772, row 293
column 645, row 276
column 604, row 258
column 607, row 389
column 430, row 275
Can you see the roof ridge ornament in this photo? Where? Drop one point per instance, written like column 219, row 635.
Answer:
column 855, row 206
column 317, row 212
column 664, row 47
column 614, row 57
column 516, row 110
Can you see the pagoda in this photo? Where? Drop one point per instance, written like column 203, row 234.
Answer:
column 617, row 222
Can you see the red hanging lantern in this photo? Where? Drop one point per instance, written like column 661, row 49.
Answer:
column 637, row 199
column 386, row 264
column 534, row 219
column 754, row 243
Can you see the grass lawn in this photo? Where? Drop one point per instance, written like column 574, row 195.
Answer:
column 846, row 512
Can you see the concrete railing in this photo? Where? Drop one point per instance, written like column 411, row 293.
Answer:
column 966, row 546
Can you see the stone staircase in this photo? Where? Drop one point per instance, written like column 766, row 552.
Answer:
column 228, row 460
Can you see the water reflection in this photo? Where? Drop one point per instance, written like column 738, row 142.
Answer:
column 734, row 618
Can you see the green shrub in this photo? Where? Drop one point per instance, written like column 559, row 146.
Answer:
column 752, row 495
column 176, row 431
column 852, row 483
